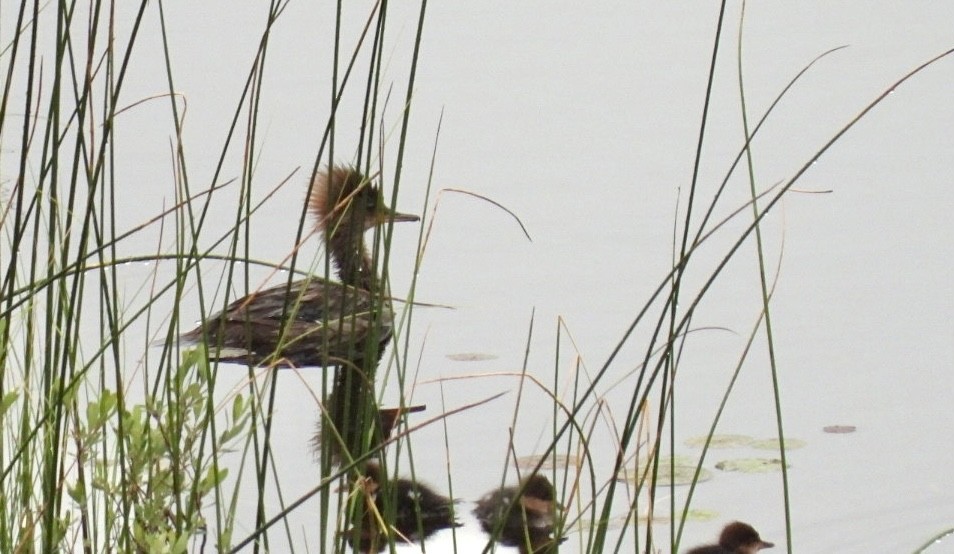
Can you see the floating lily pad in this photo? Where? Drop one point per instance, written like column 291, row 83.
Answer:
column 680, row 470
column 702, row 515
column 839, row 429
column 773, row 444
column 617, row 522
column 691, row 515
column 677, row 460
column 612, row 524
column 471, row 357
column 559, row 461
column 681, row 475
column 720, row 441
column 751, row 465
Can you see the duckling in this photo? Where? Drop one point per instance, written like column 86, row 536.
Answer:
column 736, row 538
column 411, row 510
column 527, row 525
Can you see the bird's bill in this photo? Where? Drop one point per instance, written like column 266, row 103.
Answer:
column 766, row 544
column 396, row 216
column 389, row 416
column 402, row 410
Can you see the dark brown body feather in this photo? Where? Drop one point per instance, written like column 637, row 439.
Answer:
column 312, row 323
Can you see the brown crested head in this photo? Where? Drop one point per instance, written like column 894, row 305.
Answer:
column 539, row 498
column 344, row 198
column 742, row 537
column 538, row 487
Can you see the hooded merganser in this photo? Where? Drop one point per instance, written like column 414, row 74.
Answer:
column 318, row 322
column 736, row 538
column 527, row 525
column 411, row 511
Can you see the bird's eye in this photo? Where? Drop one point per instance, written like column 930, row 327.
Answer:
column 371, row 201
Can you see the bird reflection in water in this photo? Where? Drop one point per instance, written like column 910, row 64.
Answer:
column 387, row 421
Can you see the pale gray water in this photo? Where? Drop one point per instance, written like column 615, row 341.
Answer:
column 583, row 120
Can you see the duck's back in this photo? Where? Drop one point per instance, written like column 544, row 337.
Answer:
column 311, row 323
